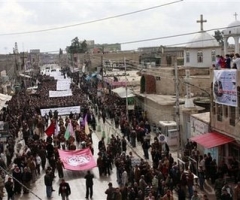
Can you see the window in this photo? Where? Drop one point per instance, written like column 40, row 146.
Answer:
column 214, row 108
column 225, row 111
column 232, row 116
column 219, row 113
column 213, row 55
column 199, row 56
column 187, row 56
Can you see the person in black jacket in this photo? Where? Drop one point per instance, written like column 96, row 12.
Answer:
column 9, row 189
column 48, row 183
column 89, row 184
column 26, row 179
column 17, row 176
column 64, row 190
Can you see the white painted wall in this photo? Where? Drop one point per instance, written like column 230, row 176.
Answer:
column 207, row 57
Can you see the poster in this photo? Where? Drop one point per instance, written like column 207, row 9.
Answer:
column 224, row 87
column 60, row 93
column 63, row 85
column 62, row 110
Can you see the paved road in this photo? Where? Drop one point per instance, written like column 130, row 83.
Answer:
column 77, row 181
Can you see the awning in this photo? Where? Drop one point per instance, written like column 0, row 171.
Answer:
column 213, row 139
column 122, row 93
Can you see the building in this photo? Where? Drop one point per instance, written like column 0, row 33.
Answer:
column 202, row 50
column 233, row 30
column 223, row 139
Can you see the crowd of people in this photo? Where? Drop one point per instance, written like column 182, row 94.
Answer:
column 230, row 61
column 27, row 158
column 156, row 176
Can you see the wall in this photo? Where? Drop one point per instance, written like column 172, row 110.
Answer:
column 207, row 57
column 165, row 78
column 157, row 112
column 198, row 127
column 119, row 56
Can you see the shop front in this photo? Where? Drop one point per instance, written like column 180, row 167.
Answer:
column 214, row 143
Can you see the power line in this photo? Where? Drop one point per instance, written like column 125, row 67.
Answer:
column 167, row 37
column 173, row 36
column 93, row 21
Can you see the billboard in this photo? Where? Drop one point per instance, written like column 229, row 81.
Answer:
column 224, row 87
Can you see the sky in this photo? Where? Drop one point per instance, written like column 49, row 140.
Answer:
column 26, row 22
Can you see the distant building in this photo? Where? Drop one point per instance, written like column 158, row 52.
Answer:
column 106, row 48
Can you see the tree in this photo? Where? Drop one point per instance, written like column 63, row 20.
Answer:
column 77, row 46
column 219, row 37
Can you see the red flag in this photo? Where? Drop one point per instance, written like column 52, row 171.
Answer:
column 51, row 129
column 78, row 159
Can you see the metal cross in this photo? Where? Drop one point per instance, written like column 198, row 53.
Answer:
column 201, row 21
column 235, row 14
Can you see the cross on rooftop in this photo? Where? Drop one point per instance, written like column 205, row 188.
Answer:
column 235, row 14
column 201, row 21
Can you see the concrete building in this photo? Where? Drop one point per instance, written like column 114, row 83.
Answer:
column 232, row 30
column 202, row 50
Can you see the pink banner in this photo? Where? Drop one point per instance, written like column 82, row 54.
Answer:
column 77, row 160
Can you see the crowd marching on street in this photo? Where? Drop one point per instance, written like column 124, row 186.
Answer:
column 156, row 176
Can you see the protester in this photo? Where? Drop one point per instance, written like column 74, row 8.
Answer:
column 48, row 183
column 89, row 184
column 10, row 189
column 64, row 190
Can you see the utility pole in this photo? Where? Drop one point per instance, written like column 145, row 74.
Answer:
column 102, row 72
column 126, row 87
column 177, row 114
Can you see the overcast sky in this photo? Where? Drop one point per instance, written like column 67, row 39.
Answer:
column 18, row 16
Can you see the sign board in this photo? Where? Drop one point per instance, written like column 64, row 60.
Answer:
column 62, row 110
column 63, row 85
column 224, row 87
column 198, row 127
column 60, row 93
column 135, row 161
column 131, row 107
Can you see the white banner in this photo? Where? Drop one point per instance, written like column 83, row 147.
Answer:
column 63, row 85
column 224, row 87
column 60, row 93
column 62, row 110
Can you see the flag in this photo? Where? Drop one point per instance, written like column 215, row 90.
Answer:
column 84, row 120
column 87, row 131
column 77, row 159
column 51, row 129
column 67, row 133
column 56, row 130
column 71, row 129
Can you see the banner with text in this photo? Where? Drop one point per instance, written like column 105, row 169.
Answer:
column 63, row 84
column 60, row 93
column 224, row 87
column 62, row 110
column 77, row 160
